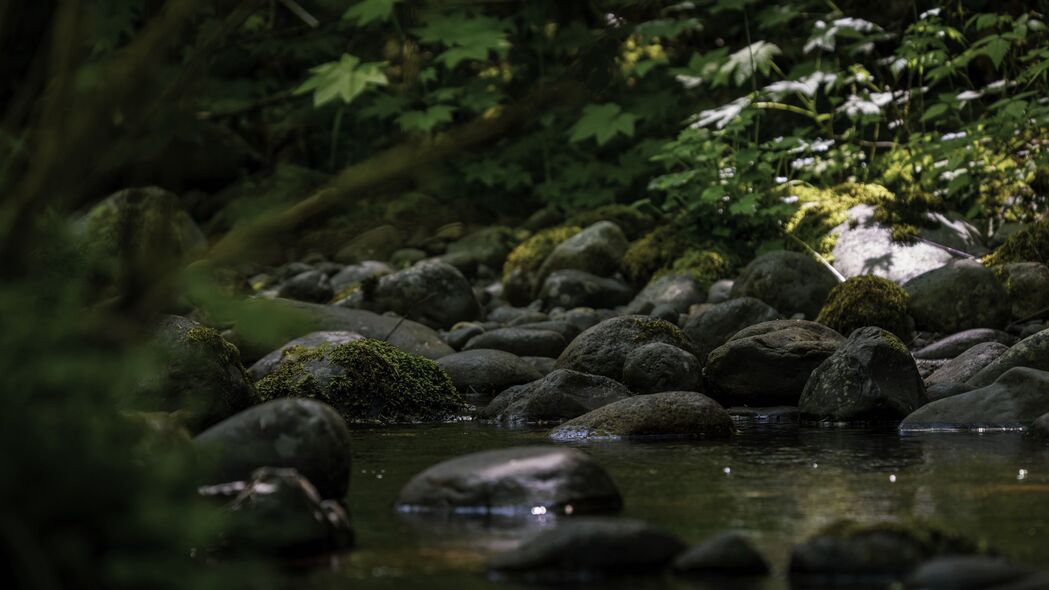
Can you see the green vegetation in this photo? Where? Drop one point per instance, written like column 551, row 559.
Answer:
column 1030, row 244
column 868, row 301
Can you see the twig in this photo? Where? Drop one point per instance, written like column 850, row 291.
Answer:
column 819, row 258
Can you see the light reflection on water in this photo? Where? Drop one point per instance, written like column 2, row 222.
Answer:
column 775, row 482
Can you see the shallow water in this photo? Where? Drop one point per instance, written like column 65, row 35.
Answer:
column 775, row 482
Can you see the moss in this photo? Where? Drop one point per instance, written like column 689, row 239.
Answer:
column 528, row 256
column 367, row 381
column 1030, row 244
column 346, row 292
column 631, row 220
column 656, row 251
column 214, row 343
column 867, row 301
column 651, row 329
column 705, row 266
column 823, row 209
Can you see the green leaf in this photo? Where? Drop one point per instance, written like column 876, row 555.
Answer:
column 743, row 64
column 603, row 122
column 383, row 106
column 345, row 80
column 467, row 37
column 995, row 48
column 935, row 111
column 425, row 120
column 369, row 11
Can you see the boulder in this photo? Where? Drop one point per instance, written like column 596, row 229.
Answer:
column 602, row 349
column 431, row 292
column 515, row 481
column 576, row 288
column 659, row 367
column 596, row 250
column 724, row 554
column 1032, row 352
column 301, row 434
column 870, row 377
column 955, row 344
column 966, row 365
column 961, row 295
column 1027, row 284
column 265, row 365
column 677, row 291
column 560, row 395
column 935, row 391
column 519, row 341
column 768, row 364
column 487, row 371
column 667, row 414
column 971, row 572
column 790, row 282
column 868, row 300
column 1015, row 400
column 713, row 327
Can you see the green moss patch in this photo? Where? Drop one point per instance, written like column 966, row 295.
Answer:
column 529, row 255
column 656, row 251
column 1030, row 244
column 867, row 301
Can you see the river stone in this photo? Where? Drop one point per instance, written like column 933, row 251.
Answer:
column 603, row 349
column 487, row 371
column 1015, row 400
column 305, row 435
column 377, row 243
column 431, row 292
column 790, row 282
column 678, row 291
column 561, row 395
column 720, row 291
column 582, row 548
column 311, row 285
column 577, row 288
column 968, row 364
column 935, row 391
column 1039, row 430
column 1028, row 286
column 1032, row 352
column 566, row 330
column 596, row 250
column 971, row 572
column 513, row 481
column 713, row 327
column 659, row 367
column 265, row 365
column 520, row 341
column 955, row 344
column 488, row 246
column 543, row 364
column 510, row 315
column 278, row 512
column 667, row 414
column 870, row 377
column 461, row 333
column 265, row 325
column 768, row 364
column 358, row 273
column 724, row 554
column 961, row 295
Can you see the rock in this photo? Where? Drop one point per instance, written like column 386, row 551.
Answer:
column 720, row 291
column 724, row 554
column 513, row 481
column 596, row 250
column 848, row 550
column 566, row 330
column 1032, row 352
column 377, row 243
column 973, row 572
column 1027, row 284
column 313, row 286
column 714, row 327
column 582, row 548
column 302, row 434
column 278, row 512
column 198, row 374
column 967, row 364
column 405, row 257
column 520, row 341
column 513, row 315
column 1039, row 430
column 602, row 349
column 935, row 391
column 366, row 381
column 521, row 277
column 927, row 367
column 870, row 377
column 489, row 246
column 268, row 363
column 561, row 395
column 955, row 344
column 584, row 318
column 576, row 288
column 265, row 325
column 659, row 367
column 667, row 414
column 433, row 293
column 865, row 246
column 461, row 333
column 868, row 300
column 677, row 291
column 1015, row 400
column 958, row 296
column 790, row 282
column 766, row 414
column 769, row 364
column 487, row 371
column 543, row 364
column 358, row 273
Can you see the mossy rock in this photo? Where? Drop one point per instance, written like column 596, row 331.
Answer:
column 521, row 269
column 647, row 256
column 705, row 266
column 367, row 381
column 631, row 220
column 868, row 300
column 821, row 210
column 1030, row 244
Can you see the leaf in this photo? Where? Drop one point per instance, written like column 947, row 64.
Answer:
column 467, row 37
column 667, row 28
column 995, row 48
column 425, row 120
column 743, row 64
column 369, row 11
column 935, row 111
column 603, row 122
column 383, row 106
column 345, row 79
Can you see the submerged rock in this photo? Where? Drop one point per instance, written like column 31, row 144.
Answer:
column 961, row 295
column 1015, row 400
column 659, row 367
column 724, row 554
column 561, row 395
column 668, row 414
column 603, row 349
column 716, row 325
column 515, row 481
column 487, row 371
column 790, row 282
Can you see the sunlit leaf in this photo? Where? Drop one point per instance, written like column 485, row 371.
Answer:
column 603, row 122
column 343, row 80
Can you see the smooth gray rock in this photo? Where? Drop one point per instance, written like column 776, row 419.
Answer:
column 313, row 286
column 433, row 293
column 487, row 371
column 1039, row 430
column 559, row 396
column 966, row 365
column 720, row 291
column 678, row 291
column 716, row 325
column 973, row 572
column 723, row 554
column 955, row 344
column 790, row 282
column 961, row 295
column 577, row 288
column 667, row 414
column 659, row 367
column 1032, row 352
column 510, row 315
column 265, row 365
column 543, row 364
column 1015, row 400
column 566, row 330
column 935, row 391
column 305, row 435
column 870, row 377
column 488, row 246
column 358, row 273
column 597, row 250
column 603, row 349
column 513, row 481
column 520, row 341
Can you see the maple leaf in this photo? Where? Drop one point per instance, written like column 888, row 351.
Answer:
column 345, row 79
column 603, row 122
column 467, row 37
column 425, row 120
column 369, row 11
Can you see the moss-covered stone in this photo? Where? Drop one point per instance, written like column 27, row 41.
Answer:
column 1030, row 244
column 867, row 301
column 631, row 220
column 705, row 266
column 655, row 251
column 521, row 269
column 823, row 209
column 366, row 381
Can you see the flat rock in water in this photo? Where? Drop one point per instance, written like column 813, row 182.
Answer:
column 956, row 344
column 603, row 349
column 667, row 414
column 487, row 371
column 520, row 341
column 790, row 282
column 1015, row 400
column 581, row 548
column 713, row 327
column 268, row 363
column 560, row 395
column 724, row 554
column 1032, row 352
column 513, row 481
column 966, row 365
column 962, row 294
